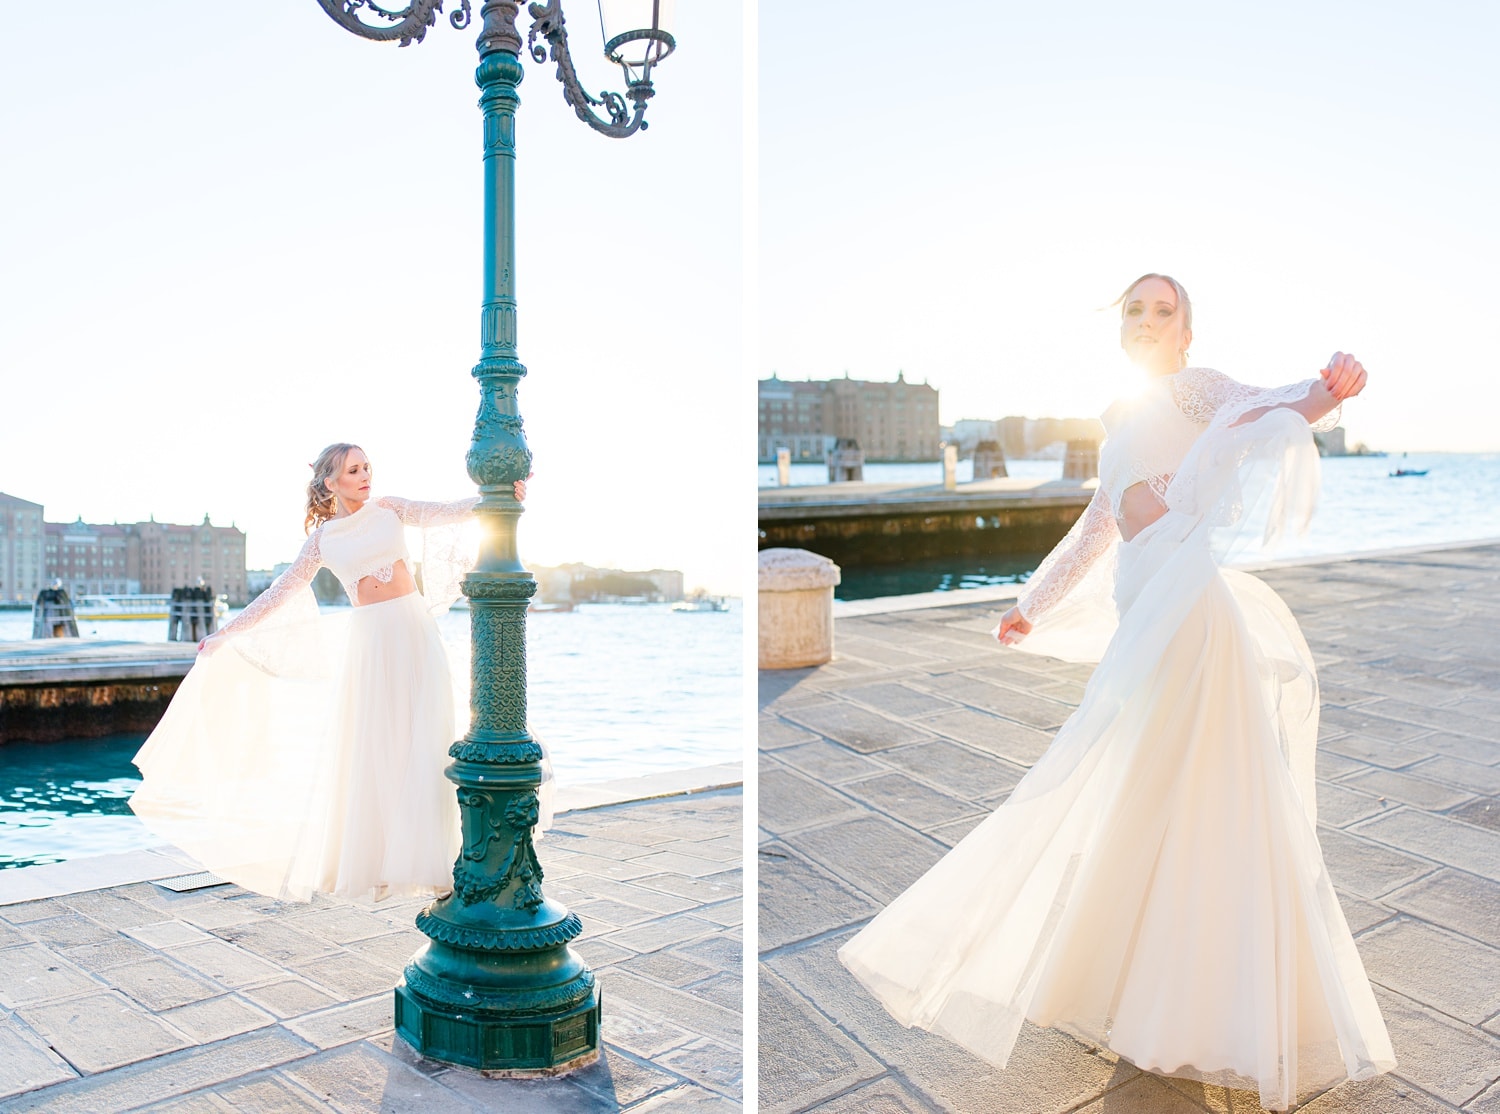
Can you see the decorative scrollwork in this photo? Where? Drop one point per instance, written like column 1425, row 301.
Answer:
column 499, row 939
column 547, row 22
column 409, row 24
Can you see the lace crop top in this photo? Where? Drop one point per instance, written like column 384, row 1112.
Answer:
column 367, row 543
column 1146, row 438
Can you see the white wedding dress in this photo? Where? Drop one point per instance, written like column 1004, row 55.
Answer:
column 1154, row 884
column 306, row 754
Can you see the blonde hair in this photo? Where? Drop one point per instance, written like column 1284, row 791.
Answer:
column 321, row 502
column 1184, row 303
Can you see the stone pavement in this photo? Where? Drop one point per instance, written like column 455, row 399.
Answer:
column 873, row 765
column 137, row 998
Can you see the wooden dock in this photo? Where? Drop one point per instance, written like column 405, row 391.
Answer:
column 863, row 524
column 71, row 688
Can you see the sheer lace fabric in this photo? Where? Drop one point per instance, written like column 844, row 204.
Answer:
column 1154, row 883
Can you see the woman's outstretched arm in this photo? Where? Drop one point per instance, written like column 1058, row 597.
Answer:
column 1063, row 569
column 1202, row 394
column 297, row 577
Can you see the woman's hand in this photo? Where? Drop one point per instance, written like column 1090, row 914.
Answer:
column 1344, row 377
column 209, row 644
column 1013, row 627
column 520, row 488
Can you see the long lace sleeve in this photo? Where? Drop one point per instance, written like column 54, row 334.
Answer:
column 1205, row 395
column 1092, row 536
column 286, row 588
column 450, row 544
column 423, row 513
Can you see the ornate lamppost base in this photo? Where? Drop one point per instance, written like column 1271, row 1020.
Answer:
column 507, row 1042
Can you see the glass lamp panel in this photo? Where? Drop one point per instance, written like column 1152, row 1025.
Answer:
column 624, row 17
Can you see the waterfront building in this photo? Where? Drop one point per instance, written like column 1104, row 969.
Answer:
column 23, row 570
column 891, row 421
column 580, row 583
column 89, row 560
column 166, row 555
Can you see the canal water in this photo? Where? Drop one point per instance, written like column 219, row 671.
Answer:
column 615, row 690
column 1362, row 508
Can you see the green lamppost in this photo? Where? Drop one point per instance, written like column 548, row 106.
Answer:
column 497, row 986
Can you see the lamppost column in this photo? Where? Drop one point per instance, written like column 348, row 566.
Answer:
column 497, row 986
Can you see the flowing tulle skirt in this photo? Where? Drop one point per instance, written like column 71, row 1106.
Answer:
column 314, row 780
column 1154, row 885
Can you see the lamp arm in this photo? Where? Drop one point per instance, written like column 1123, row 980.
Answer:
column 408, row 24
column 547, row 21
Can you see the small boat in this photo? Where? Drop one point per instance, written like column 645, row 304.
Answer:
column 1408, row 472
column 135, row 607
column 701, row 603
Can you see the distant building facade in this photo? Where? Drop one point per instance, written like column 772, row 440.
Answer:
column 23, row 569
column 118, row 559
column 891, row 421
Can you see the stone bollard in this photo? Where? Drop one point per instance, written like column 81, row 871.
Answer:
column 989, row 461
column 190, row 615
column 783, row 467
column 52, row 614
column 795, row 608
column 950, row 467
column 846, row 462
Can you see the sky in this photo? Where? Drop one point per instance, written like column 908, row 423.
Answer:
column 226, row 242
column 962, row 202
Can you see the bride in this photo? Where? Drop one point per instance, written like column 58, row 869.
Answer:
column 1154, row 885
column 305, row 753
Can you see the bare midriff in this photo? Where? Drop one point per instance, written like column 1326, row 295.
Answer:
column 372, row 589
column 1139, row 508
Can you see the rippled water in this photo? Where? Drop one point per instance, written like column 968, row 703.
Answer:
column 614, row 690
column 1362, row 508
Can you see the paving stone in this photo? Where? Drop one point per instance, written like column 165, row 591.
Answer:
column 97, row 1032
column 890, row 858
column 274, row 941
column 1447, row 841
column 70, row 931
column 951, row 834
column 799, row 900
column 772, row 732
column 111, row 908
column 621, row 1079
column 1372, row 750
column 1365, row 868
column 1454, row 1062
column 674, row 862
column 218, row 915
column 1467, row 904
column 1408, row 789
column 1436, row 968
column 954, row 768
column 1429, row 717
column 1362, row 914
column 1334, row 767
column 1482, row 812
column 1465, row 775
column 111, row 953
column 166, row 934
column 267, row 1094
column 1339, row 806
column 361, row 1078
column 1048, row 1071
column 1019, row 745
column 898, row 700
column 1221, row 1100
column 1487, row 1103
column 686, row 1099
column 667, row 967
column 341, row 924
column 216, row 1018
column 1016, row 703
column 1465, row 747
column 708, row 1063
column 1145, row 1094
column 649, row 890
column 804, row 1057
column 639, row 1030
column 663, row 933
column 705, row 888
column 25, row 1060
column 346, row 1023
column 725, row 989
column 289, row 997
column 830, row 763
column 723, row 951
column 35, row 973
column 599, row 953
column 25, row 912
column 392, row 951
column 573, row 864
column 702, row 1017
column 224, row 963
column 918, row 805
column 1382, row 1095
column 159, row 984
column 347, row 976
column 857, row 728
column 884, row 1096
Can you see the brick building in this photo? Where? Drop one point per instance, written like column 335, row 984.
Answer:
column 891, row 421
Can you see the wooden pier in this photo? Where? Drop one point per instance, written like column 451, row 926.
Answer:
column 72, row 688
column 864, row 524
